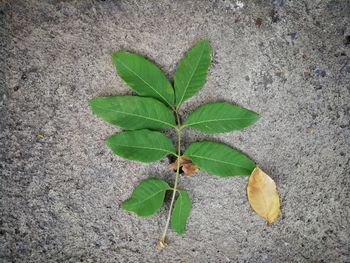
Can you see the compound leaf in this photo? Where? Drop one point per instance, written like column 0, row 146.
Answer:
column 141, row 145
column 220, row 117
column 262, row 195
column 219, row 159
column 132, row 112
column 147, row 198
column 143, row 76
column 192, row 71
column 181, row 212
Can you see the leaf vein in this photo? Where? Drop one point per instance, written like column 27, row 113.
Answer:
column 137, row 115
column 143, row 147
column 149, row 85
column 192, row 74
column 151, row 196
column 229, row 119
column 215, row 160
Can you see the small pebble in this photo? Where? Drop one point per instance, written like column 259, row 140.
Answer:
column 347, row 68
column 347, row 40
column 293, row 37
column 320, row 72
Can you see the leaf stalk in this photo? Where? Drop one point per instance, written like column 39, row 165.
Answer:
column 161, row 242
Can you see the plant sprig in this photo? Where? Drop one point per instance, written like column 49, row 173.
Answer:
column 156, row 108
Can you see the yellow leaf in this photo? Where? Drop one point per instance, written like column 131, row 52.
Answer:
column 262, row 195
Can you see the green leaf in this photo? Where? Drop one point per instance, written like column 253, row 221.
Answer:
column 132, row 112
column 219, row 159
column 181, row 212
column 192, row 72
column 143, row 76
column 141, row 145
column 147, row 198
column 220, row 117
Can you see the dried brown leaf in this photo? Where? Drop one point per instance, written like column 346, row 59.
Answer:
column 188, row 167
column 262, row 195
column 173, row 165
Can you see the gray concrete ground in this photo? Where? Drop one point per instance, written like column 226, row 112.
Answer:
column 61, row 188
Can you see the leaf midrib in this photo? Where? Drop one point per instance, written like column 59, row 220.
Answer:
column 183, row 94
column 148, row 148
column 228, row 119
column 132, row 114
column 180, row 209
column 149, row 85
column 166, row 187
column 151, row 196
column 215, row 160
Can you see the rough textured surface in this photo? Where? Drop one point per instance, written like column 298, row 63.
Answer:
column 61, row 188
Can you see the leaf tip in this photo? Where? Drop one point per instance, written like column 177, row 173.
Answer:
column 108, row 142
column 180, row 232
column 204, row 41
column 124, row 205
column 117, row 55
column 92, row 104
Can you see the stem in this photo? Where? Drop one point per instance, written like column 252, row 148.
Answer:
column 162, row 238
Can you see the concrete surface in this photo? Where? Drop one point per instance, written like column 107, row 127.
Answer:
column 61, row 188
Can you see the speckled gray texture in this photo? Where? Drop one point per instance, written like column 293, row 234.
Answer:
column 61, row 188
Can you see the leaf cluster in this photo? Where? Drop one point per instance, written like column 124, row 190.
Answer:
column 155, row 108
